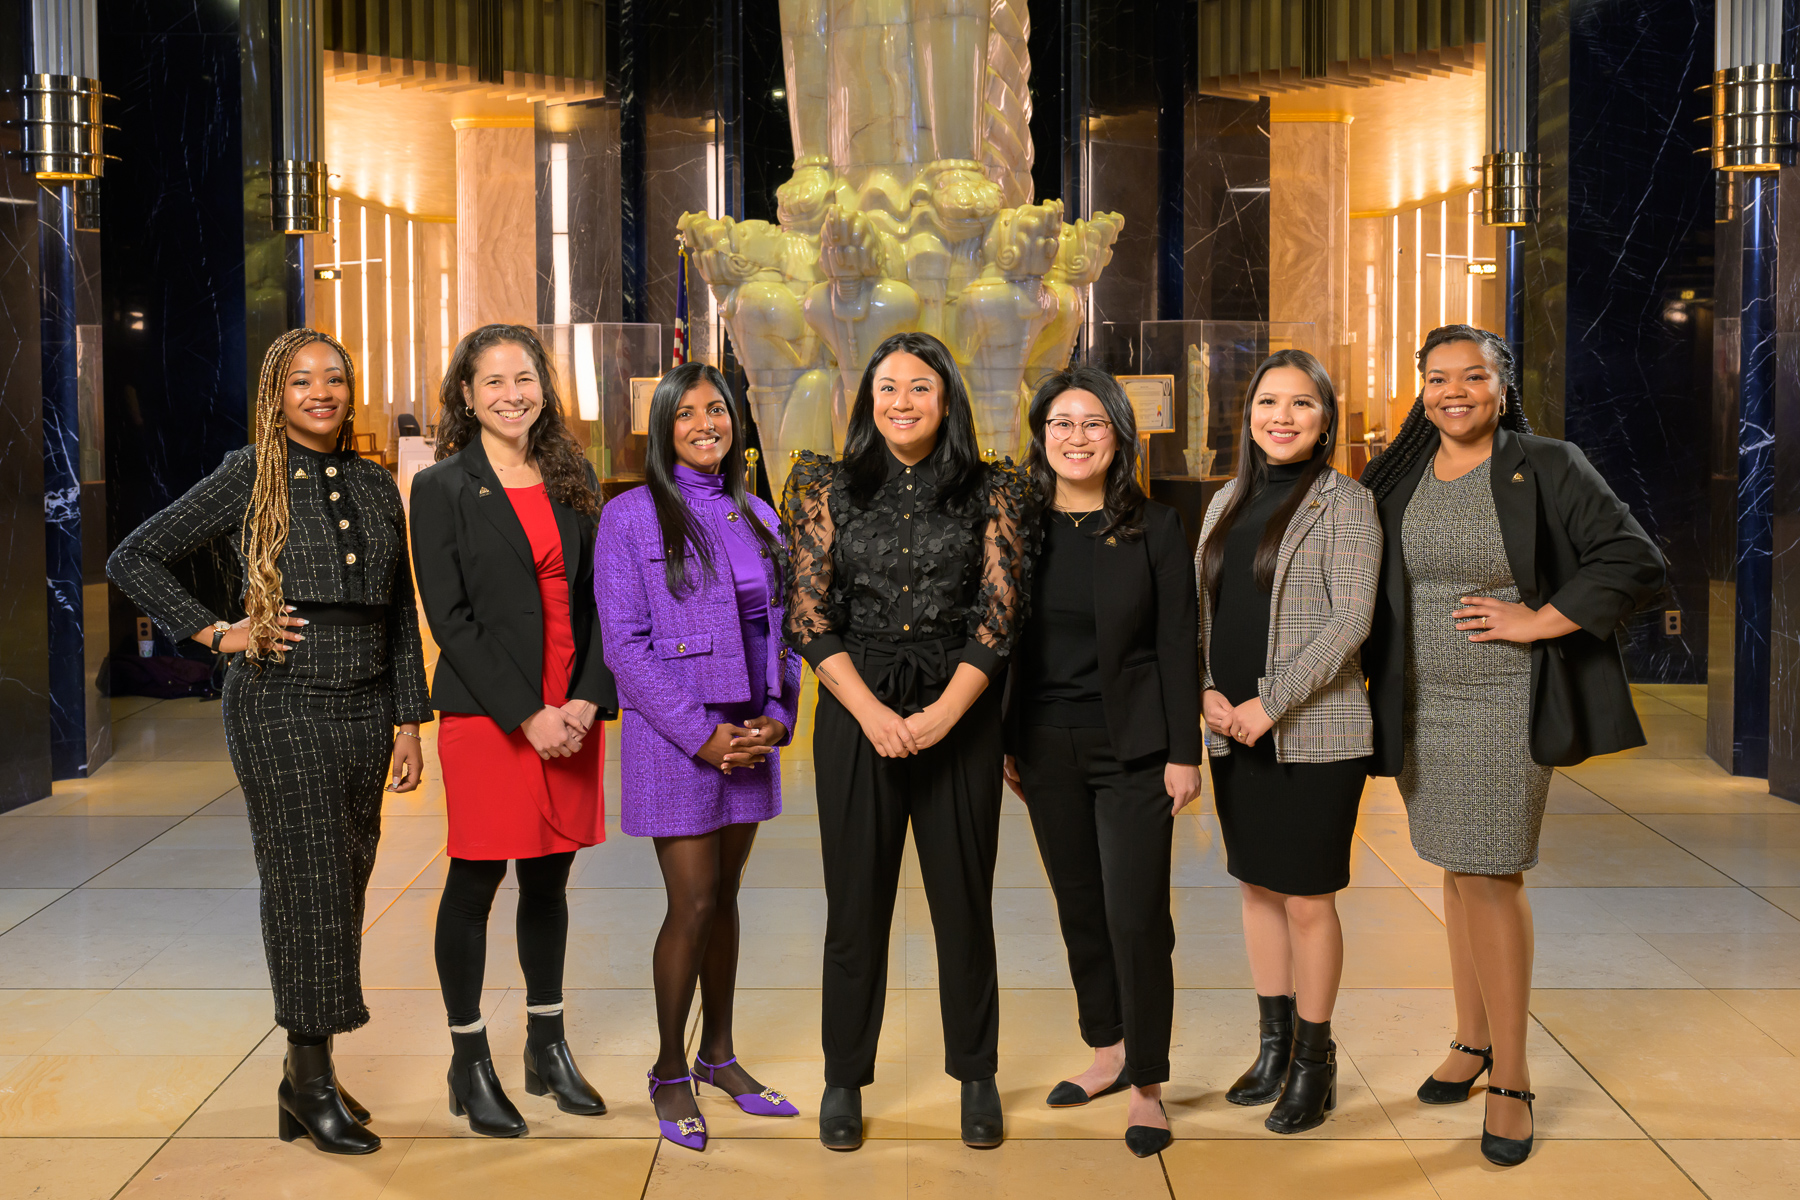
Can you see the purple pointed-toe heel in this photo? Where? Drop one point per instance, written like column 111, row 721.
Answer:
column 689, row 1132
column 766, row 1103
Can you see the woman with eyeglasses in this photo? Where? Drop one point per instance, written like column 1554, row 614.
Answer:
column 1103, row 732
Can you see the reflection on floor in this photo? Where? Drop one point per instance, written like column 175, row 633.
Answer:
column 137, row 1055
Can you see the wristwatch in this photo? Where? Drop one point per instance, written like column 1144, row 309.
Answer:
column 220, row 629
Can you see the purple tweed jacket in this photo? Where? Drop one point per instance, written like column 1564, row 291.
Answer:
column 675, row 658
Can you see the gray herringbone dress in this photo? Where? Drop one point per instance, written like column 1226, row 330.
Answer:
column 1474, row 798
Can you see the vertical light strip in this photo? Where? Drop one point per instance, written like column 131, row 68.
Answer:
column 387, row 307
column 1393, row 373
column 560, row 270
column 1418, row 276
column 337, row 258
column 362, row 283
column 1443, row 260
column 443, row 320
column 1469, row 281
column 412, row 322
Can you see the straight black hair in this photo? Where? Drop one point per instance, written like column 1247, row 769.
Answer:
column 1253, row 472
column 1124, row 498
column 957, row 455
column 681, row 534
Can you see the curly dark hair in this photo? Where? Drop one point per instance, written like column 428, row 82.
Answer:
column 553, row 449
column 1392, row 464
column 1124, row 498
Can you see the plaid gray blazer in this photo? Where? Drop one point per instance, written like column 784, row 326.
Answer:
column 1324, row 600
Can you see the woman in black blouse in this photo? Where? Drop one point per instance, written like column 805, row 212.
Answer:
column 1103, row 729
column 322, row 669
column 907, row 579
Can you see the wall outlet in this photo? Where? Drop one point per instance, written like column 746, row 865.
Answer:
column 1672, row 622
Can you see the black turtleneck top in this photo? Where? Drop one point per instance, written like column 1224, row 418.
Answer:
column 1061, row 655
column 1240, row 610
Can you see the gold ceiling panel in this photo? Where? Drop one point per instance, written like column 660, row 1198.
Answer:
column 1264, row 47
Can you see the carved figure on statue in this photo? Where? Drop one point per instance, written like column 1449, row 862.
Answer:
column 999, row 314
column 1085, row 249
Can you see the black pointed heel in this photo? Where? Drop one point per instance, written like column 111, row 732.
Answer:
column 1147, row 1140
column 310, row 1106
column 1508, row 1152
column 550, row 1068
column 1068, row 1094
column 1262, row 1082
column 1310, row 1090
column 1455, row 1091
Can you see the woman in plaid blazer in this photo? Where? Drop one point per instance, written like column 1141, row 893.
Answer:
column 1288, row 562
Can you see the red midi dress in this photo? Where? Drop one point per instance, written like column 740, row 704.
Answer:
column 503, row 800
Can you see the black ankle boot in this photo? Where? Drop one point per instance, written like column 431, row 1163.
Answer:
column 310, row 1106
column 983, row 1125
column 475, row 1090
column 361, row 1114
column 1262, row 1082
column 1311, row 1088
column 840, row 1118
column 550, row 1068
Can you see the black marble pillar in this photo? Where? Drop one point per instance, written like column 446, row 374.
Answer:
column 1618, row 283
column 194, row 273
column 1780, row 451
column 25, row 767
column 588, row 135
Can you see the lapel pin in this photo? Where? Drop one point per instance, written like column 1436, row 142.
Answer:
column 1518, row 477
column 484, row 491
column 1314, row 504
column 1112, row 541
column 300, row 474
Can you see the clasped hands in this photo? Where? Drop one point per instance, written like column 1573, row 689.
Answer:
column 557, row 732
column 746, row 745
column 1244, row 722
column 895, row 736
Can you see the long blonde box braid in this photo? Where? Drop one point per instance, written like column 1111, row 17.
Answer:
column 266, row 520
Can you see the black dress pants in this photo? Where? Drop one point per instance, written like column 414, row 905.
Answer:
column 1105, row 833
column 951, row 795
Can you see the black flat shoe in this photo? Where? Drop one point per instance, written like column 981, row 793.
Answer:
column 983, row 1126
column 1310, row 1090
column 1508, row 1152
column 1073, row 1095
column 1275, row 1026
column 840, row 1118
column 1146, row 1140
column 550, row 1069
column 1454, row 1091
column 475, row 1090
column 361, row 1114
column 308, row 1105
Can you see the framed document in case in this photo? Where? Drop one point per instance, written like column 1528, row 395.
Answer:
column 1152, row 401
column 642, row 388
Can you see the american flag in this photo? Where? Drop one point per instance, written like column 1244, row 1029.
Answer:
column 678, row 353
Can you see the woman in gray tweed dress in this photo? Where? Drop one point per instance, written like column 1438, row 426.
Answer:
column 1509, row 568
column 325, row 666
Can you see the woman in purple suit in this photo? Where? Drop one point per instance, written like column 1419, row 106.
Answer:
column 689, row 590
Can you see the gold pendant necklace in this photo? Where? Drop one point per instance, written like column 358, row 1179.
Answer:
column 1084, row 516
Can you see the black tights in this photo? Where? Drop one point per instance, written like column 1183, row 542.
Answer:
column 699, row 939
column 542, row 925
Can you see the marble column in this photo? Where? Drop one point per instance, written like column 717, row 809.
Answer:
column 25, row 769
column 1309, row 233
column 496, row 222
column 1781, row 452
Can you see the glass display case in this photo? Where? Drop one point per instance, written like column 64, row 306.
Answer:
column 595, row 365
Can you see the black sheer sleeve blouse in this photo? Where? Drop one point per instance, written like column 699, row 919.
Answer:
column 346, row 545
column 906, row 568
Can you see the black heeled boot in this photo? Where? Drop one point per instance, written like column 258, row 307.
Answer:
column 550, row 1068
column 840, row 1118
column 1262, row 1082
column 1311, row 1088
column 983, row 1125
column 310, row 1105
column 361, row 1114
column 475, row 1090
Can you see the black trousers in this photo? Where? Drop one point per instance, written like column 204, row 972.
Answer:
column 951, row 795
column 1105, row 833
column 542, row 926
column 310, row 739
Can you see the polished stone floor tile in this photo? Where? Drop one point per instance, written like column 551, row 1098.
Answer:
column 1695, row 1096
column 211, row 1021
column 486, row 1168
column 1303, row 1167
column 1670, row 735
column 1195, row 1099
column 1597, row 960
column 202, row 851
column 780, row 1170
column 1568, row 796
column 1669, row 1024
column 1029, row 1170
column 1569, row 1103
column 1753, row 849
column 169, row 789
column 1696, row 910
column 1387, row 836
column 72, row 1168
column 100, row 937
column 1787, row 899
column 16, row 904
column 29, row 1017
column 263, row 1167
column 222, row 949
column 1691, row 785
column 1775, row 1012
column 106, row 1095
column 1616, row 851
column 66, row 852
column 1740, row 1170
column 1557, row 1170
column 1734, row 960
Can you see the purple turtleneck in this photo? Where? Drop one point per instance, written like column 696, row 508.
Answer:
column 705, row 495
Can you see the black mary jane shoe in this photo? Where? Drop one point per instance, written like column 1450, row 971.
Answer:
column 1275, row 1027
column 1146, row 1141
column 310, row 1106
column 1311, row 1088
column 475, row 1090
column 1508, row 1152
column 983, row 1125
column 841, row 1119
column 1455, row 1091
column 362, row 1115
column 1069, row 1094
column 550, row 1069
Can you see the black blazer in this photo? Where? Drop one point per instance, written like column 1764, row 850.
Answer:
column 480, row 591
column 1571, row 543
column 1147, row 620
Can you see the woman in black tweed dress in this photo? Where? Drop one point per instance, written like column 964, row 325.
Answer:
column 327, row 663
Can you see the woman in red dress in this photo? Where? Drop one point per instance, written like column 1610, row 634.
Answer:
column 503, row 534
